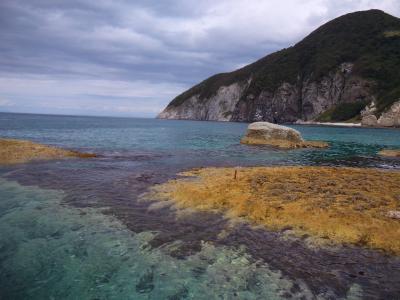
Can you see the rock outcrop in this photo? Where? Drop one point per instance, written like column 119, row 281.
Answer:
column 368, row 117
column 20, row 151
column 369, row 121
column 329, row 76
column 390, row 118
column 218, row 107
column 305, row 99
column 322, row 202
column 264, row 133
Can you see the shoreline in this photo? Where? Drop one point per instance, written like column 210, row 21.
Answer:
column 331, row 124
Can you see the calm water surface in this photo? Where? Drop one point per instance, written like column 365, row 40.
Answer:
column 76, row 230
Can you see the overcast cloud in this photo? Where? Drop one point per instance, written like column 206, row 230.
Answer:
column 130, row 58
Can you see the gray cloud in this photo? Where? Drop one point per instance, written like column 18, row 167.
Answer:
column 132, row 57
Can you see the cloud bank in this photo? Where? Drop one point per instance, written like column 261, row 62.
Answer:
column 130, row 58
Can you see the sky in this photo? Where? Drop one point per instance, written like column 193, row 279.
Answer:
column 131, row 58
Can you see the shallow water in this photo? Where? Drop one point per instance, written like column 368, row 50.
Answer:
column 75, row 229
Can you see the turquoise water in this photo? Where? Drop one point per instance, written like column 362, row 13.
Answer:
column 76, row 230
column 189, row 139
column 49, row 251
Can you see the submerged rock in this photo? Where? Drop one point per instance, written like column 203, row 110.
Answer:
column 265, row 133
column 20, row 151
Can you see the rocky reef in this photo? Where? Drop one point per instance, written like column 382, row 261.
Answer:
column 264, row 133
column 20, row 151
column 339, row 205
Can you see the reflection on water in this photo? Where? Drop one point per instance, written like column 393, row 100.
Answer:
column 75, row 229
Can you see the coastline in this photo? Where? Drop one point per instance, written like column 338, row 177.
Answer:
column 132, row 161
column 332, row 124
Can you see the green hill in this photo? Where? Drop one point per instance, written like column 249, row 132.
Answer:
column 369, row 40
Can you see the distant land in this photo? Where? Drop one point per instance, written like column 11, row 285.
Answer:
column 345, row 71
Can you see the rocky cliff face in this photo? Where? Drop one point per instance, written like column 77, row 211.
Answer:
column 389, row 118
column 328, row 76
column 304, row 100
column 218, row 107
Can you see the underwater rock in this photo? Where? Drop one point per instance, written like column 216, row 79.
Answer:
column 20, row 151
column 265, row 133
column 145, row 284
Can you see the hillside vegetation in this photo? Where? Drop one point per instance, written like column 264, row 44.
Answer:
column 369, row 39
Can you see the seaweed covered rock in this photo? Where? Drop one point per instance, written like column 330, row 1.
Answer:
column 20, row 151
column 265, row 133
column 326, row 203
column 390, row 153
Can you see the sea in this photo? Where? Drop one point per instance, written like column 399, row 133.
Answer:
column 80, row 229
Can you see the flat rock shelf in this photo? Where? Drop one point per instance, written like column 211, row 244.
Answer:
column 20, row 151
column 341, row 205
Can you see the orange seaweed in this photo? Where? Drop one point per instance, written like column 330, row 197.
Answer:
column 344, row 205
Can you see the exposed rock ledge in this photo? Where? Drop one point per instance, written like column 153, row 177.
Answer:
column 264, row 133
column 328, row 203
column 20, row 151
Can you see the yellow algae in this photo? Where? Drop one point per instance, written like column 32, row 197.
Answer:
column 283, row 144
column 392, row 33
column 20, row 151
column 389, row 153
column 346, row 205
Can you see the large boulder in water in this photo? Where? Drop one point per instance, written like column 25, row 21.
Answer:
column 264, row 133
